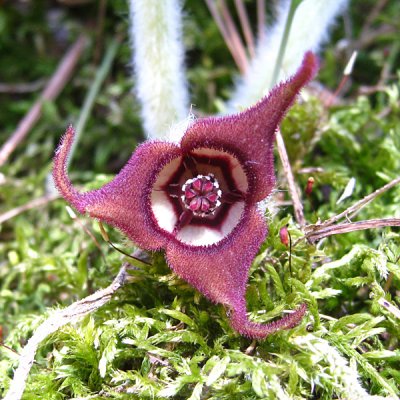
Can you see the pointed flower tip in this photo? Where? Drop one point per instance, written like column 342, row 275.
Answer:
column 306, row 72
column 60, row 163
column 245, row 327
column 310, row 64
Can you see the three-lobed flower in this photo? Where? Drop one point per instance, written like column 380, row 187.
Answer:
column 199, row 199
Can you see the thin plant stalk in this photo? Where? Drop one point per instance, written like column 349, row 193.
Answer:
column 260, row 19
column 90, row 99
column 297, row 204
column 226, row 34
column 234, row 35
column 245, row 24
column 53, row 88
column 278, row 63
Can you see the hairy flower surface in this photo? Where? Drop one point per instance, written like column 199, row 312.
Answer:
column 198, row 199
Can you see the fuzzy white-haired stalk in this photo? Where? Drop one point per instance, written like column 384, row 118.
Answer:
column 307, row 31
column 161, row 88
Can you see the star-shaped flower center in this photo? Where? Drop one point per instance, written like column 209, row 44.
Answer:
column 201, row 195
column 199, row 198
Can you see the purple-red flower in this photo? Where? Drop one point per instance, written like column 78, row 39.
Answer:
column 198, row 200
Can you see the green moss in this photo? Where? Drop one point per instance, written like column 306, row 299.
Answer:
column 157, row 337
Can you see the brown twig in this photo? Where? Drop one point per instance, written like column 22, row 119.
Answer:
column 251, row 348
column 75, row 218
column 234, row 35
column 245, row 24
column 54, row 86
column 388, row 282
column 260, row 19
column 297, row 204
column 225, row 34
column 38, row 202
column 18, row 88
column 370, row 37
column 57, row 320
column 337, row 229
column 352, row 210
column 379, row 5
column 16, row 352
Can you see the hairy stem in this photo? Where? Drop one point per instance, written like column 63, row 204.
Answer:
column 158, row 61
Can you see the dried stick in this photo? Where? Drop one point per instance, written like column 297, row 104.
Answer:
column 50, row 92
column 351, row 227
column 225, row 34
column 379, row 5
column 38, row 202
column 297, row 204
column 18, row 88
column 371, row 36
column 260, row 19
column 53, row 323
column 245, row 24
column 234, row 34
column 356, row 207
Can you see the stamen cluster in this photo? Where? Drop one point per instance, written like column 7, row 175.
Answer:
column 201, row 195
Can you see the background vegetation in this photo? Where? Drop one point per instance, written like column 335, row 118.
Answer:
column 158, row 337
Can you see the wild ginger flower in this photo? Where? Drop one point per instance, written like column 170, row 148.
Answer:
column 198, row 200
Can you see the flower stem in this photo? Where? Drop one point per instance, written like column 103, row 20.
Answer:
column 292, row 10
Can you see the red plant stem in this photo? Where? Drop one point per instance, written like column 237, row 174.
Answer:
column 54, row 86
column 334, row 95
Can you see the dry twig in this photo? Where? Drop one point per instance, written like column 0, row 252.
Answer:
column 260, row 19
column 245, row 23
column 18, row 88
column 54, row 86
column 57, row 320
column 351, row 227
column 354, row 209
column 297, row 204
column 379, row 5
column 234, row 35
column 38, row 202
column 238, row 55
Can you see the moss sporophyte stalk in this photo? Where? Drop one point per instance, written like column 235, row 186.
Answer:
column 199, row 199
